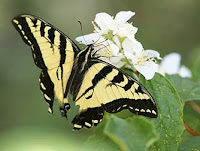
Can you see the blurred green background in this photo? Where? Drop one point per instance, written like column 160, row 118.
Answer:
column 165, row 26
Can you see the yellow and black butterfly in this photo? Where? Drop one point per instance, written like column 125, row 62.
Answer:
column 96, row 86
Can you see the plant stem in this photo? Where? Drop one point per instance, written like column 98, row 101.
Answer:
column 190, row 130
column 194, row 106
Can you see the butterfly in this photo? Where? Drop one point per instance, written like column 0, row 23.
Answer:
column 69, row 72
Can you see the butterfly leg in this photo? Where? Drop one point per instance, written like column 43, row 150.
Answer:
column 47, row 88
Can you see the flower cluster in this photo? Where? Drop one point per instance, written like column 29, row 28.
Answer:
column 115, row 42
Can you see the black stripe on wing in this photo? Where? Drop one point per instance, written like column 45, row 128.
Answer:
column 135, row 106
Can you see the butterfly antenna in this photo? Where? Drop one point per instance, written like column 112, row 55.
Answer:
column 104, row 46
column 82, row 31
column 99, row 43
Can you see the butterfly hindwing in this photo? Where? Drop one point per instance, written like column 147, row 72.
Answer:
column 106, row 88
column 52, row 51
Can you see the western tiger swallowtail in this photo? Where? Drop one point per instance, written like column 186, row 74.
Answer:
column 95, row 85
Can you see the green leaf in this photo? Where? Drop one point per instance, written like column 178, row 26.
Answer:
column 191, row 145
column 135, row 133
column 98, row 141
column 187, row 89
column 169, row 123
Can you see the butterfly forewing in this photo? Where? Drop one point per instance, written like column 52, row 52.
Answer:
column 49, row 45
column 52, row 51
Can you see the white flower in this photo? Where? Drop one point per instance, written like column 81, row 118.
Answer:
column 184, row 72
column 142, row 60
column 90, row 39
column 114, row 41
column 118, row 26
column 171, row 65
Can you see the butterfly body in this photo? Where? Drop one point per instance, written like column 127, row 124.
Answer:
column 96, row 86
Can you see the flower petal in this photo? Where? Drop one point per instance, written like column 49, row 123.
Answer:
column 104, row 21
column 123, row 16
column 89, row 39
column 131, row 57
column 147, row 69
column 132, row 46
column 116, row 61
column 113, row 48
column 125, row 30
column 170, row 64
column 185, row 72
column 117, row 42
column 153, row 54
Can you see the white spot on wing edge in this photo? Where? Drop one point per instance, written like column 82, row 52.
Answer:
column 25, row 37
column 136, row 109
column 49, row 110
column 95, row 121
column 15, row 21
column 154, row 112
column 77, row 126
column 88, row 124
column 142, row 110
column 34, row 56
column 23, row 33
column 19, row 26
column 29, row 42
column 42, row 86
column 118, row 108
column 148, row 111
column 47, row 97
